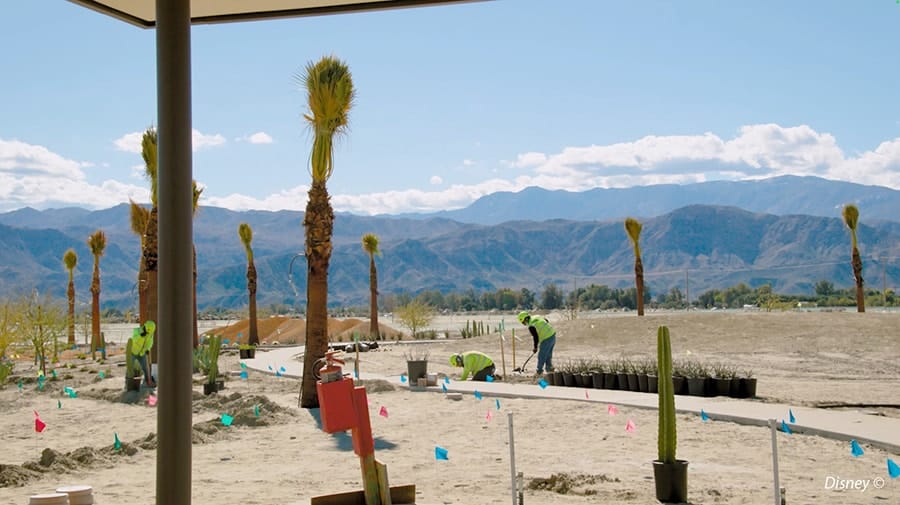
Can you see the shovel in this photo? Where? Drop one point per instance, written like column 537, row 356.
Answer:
column 522, row 368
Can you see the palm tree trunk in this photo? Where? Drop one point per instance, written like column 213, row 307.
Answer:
column 151, row 260
column 95, row 309
column 373, row 298
column 639, row 281
column 70, row 294
column 142, row 292
column 253, row 337
column 319, row 224
column 857, row 273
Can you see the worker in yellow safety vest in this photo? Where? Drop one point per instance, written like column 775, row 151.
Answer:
column 477, row 364
column 544, row 336
column 141, row 343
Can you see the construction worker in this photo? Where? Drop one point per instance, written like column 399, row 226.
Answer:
column 473, row 362
column 544, row 336
column 141, row 342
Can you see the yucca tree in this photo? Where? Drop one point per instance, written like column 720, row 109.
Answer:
column 139, row 217
column 150, row 252
column 330, row 94
column 370, row 246
column 633, row 227
column 70, row 260
column 97, row 244
column 246, row 235
column 851, row 219
column 196, row 191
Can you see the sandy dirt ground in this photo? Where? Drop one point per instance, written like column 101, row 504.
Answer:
column 570, row 452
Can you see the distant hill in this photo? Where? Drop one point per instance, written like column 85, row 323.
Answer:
column 784, row 195
column 713, row 246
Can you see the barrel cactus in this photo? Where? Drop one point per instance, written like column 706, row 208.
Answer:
column 666, row 437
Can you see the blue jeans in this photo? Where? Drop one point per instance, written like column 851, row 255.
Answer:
column 545, row 354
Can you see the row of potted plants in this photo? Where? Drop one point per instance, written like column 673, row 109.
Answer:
column 690, row 377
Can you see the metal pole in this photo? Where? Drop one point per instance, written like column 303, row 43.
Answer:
column 777, row 489
column 512, row 458
column 175, row 325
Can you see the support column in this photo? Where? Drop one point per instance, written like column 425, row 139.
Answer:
column 175, row 325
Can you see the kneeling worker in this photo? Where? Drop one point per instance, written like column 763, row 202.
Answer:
column 473, row 362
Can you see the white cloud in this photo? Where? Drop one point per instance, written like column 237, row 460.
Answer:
column 260, row 138
column 529, row 159
column 468, row 163
column 435, row 180
column 131, row 142
column 19, row 158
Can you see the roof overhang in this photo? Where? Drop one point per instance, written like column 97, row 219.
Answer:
column 143, row 12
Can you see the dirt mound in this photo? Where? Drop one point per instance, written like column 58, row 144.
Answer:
column 243, row 412
column 377, row 386
column 570, row 484
column 286, row 330
column 362, row 328
column 15, row 476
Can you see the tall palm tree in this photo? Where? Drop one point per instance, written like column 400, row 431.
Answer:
column 851, row 218
column 139, row 217
column 150, row 253
column 70, row 259
column 196, row 191
column 370, row 246
column 246, row 235
column 97, row 243
column 633, row 227
column 330, row 93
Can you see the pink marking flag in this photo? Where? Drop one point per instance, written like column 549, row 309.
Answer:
column 612, row 410
column 586, row 397
column 383, row 411
column 630, row 426
column 151, row 400
column 38, row 424
column 489, row 416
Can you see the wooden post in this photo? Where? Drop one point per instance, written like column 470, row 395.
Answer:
column 514, row 347
column 384, row 488
column 502, row 354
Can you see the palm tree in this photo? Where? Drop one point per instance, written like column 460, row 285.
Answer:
column 97, row 243
column 196, row 191
column 150, row 253
column 330, row 93
column 246, row 235
column 851, row 218
column 139, row 217
column 633, row 227
column 370, row 246
column 70, row 259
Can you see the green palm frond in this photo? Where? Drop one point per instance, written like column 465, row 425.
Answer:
column 330, row 95
column 139, row 217
column 246, row 234
column 633, row 227
column 149, row 153
column 70, row 259
column 851, row 219
column 196, row 190
column 370, row 244
column 97, row 243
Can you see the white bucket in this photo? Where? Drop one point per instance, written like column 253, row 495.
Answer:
column 49, row 499
column 78, row 495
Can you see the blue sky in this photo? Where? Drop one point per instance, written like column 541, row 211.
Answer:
column 457, row 102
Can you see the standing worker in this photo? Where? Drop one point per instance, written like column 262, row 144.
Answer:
column 474, row 362
column 141, row 342
column 544, row 339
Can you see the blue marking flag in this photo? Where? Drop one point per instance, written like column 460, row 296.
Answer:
column 855, row 449
column 785, row 428
column 543, row 384
column 117, row 445
column 278, row 373
column 58, row 404
column 53, row 373
column 283, row 369
column 440, row 453
column 226, row 419
column 893, row 468
column 791, row 416
column 243, row 365
column 244, row 374
column 225, row 341
column 446, row 380
column 444, row 387
column 355, row 374
column 403, row 378
column 256, row 410
column 20, row 385
column 497, row 403
column 270, row 367
column 489, row 378
column 703, row 415
column 101, row 374
column 477, row 394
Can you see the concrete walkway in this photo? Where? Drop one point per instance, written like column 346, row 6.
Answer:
column 878, row 431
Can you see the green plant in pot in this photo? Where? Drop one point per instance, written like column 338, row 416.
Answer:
column 247, row 351
column 669, row 473
column 213, row 347
column 132, row 383
column 416, row 362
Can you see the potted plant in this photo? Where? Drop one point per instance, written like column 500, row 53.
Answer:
column 696, row 379
column 416, row 363
column 213, row 347
column 652, row 377
column 247, row 351
column 722, row 377
column 132, row 383
column 747, row 387
column 597, row 375
column 669, row 473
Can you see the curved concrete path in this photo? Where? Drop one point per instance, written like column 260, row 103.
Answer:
column 878, row 431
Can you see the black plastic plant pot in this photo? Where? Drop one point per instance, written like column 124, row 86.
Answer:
column 597, row 380
column 558, row 379
column 568, row 379
column 209, row 389
column 416, row 369
column 652, row 384
column 678, row 385
column 633, row 384
column 643, row 384
column 133, row 384
column 747, row 388
column 622, row 381
column 248, row 353
column 610, row 380
column 551, row 379
column 671, row 481
column 723, row 386
column 696, row 386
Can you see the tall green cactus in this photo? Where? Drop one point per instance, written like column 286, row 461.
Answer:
column 129, row 361
column 215, row 345
column 666, row 437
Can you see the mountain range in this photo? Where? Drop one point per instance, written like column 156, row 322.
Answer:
column 697, row 246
